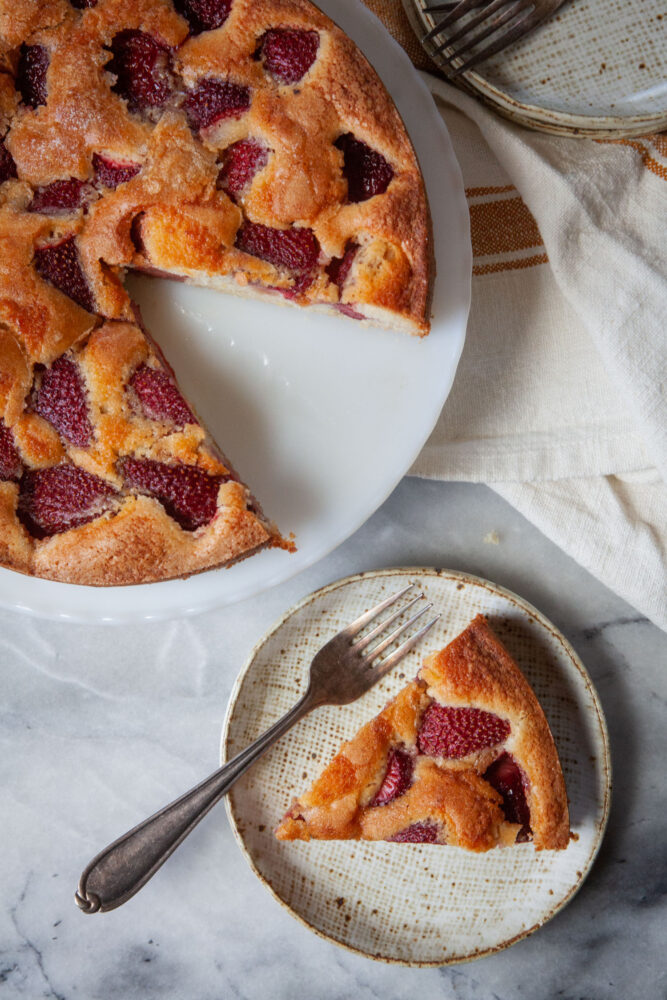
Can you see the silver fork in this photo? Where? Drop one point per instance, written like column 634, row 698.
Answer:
column 506, row 20
column 340, row 672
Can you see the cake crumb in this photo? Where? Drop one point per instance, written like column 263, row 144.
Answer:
column 492, row 538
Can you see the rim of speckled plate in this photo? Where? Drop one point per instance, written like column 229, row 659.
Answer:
column 605, row 762
column 534, row 116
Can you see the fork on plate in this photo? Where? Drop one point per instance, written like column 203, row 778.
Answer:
column 502, row 21
column 346, row 667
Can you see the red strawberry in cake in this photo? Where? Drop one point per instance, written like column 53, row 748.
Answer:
column 204, row 15
column 293, row 249
column 458, row 732
column 111, row 172
column 142, row 67
column 188, row 494
column 59, row 263
column 60, row 498
column 366, row 171
column 61, row 197
column 31, row 74
column 60, row 398
column 288, row 53
column 241, row 162
column 159, row 397
column 397, row 779
column 213, row 100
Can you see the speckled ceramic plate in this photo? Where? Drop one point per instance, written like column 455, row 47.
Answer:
column 598, row 68
column 407, row 903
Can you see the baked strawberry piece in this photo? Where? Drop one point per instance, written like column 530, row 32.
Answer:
column 476, row 776
column 293, row 249
column 339, row 268
column 288, row 53
column 142, row 67
column 508, row 779
column 397, row 777
column 159, row 397
column 417, row 833
column 366, row 171
column 241, row 162
column 60, row 398
column 213, row 100
column 187, row 493
column 204, row 15
column 7, row 165
column 457, row 732
column 61, row 197
column 59, row 264
column 60, row 498
column 10, row 460
column 31, row 73
column 110, row 173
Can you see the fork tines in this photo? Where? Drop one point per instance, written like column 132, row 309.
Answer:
column 357, row 626
column 507, row 20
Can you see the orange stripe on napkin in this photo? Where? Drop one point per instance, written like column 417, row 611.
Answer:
column 502, row 227
column 478, row 191
column 510, row 265
column 659, row 142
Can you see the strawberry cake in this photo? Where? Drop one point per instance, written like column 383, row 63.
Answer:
column 244, row 145
column 462, row 756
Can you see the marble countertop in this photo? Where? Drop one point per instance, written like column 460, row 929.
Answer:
column 100, row 726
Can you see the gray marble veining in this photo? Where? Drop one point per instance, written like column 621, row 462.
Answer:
column 99, row 726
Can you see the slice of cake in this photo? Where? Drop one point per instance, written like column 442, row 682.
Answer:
column 245, row 145
column 463, row 756
column 109, row 478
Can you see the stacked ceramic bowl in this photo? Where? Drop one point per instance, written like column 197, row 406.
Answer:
column 598, row 68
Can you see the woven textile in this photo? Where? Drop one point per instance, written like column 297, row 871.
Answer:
column 559, row 402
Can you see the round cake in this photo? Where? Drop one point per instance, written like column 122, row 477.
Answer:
column 245, row 145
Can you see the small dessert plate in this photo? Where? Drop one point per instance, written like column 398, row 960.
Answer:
column 595, row 69
column 407, row 903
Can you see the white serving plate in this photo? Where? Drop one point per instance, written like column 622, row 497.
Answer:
column 321, row 416
column 412, row 904
column 598, row 67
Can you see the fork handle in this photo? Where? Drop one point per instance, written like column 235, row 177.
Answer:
column 122, row 868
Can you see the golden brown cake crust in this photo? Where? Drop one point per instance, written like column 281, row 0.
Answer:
column 474, row 671
column 68, row 116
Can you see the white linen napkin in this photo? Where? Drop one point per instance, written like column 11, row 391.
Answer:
column 560, row 399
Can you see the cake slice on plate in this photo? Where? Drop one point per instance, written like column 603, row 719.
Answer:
column 462, row 756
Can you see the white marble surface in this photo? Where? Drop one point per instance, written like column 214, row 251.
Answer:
column 99, row 726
